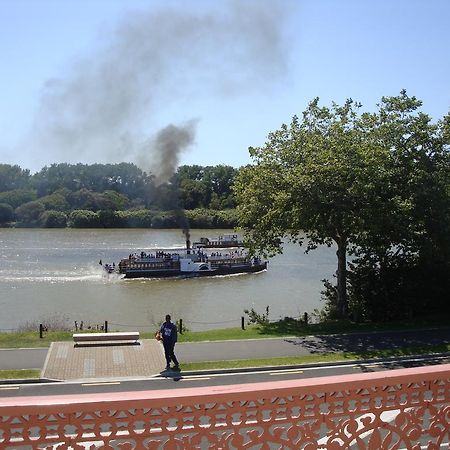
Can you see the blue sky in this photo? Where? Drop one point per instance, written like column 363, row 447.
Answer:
column 95, row 81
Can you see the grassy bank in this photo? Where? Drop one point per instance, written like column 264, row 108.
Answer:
column 281, row 328
column 276, row 329
column 273, row 362
column 321, row 358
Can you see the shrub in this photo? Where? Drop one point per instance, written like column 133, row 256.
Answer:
column 141, row 218
column 82, row 218
column 29, row 213
column 53, row 219
column 6, row 213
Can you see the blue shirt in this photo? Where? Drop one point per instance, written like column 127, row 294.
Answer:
column 168, row 332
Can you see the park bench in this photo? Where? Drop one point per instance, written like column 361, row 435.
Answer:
column 122, row 336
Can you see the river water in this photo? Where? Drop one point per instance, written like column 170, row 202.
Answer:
column 55, row 273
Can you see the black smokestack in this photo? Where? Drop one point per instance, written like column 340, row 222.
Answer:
column 183, row 223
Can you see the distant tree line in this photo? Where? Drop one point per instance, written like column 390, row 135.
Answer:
column 116, row 195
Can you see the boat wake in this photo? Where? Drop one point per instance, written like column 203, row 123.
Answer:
column 50, row 279
column 86, row 275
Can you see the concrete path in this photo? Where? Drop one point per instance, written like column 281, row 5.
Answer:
column 66, row 361
column 309, row 345
column 230, row 350
column 22, row 358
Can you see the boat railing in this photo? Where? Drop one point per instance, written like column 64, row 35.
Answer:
column 228, row 261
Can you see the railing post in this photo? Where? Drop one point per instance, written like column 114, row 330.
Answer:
column 106, row 326
column 181, row 326
column 242, row 322
column 41, row 331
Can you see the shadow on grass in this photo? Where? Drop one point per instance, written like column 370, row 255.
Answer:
column 294, row 327
column 359, row 341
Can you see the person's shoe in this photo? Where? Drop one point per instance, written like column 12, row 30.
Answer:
column 177, row 368
column 168, row 367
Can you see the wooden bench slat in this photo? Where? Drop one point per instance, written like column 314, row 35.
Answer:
column 114, row 336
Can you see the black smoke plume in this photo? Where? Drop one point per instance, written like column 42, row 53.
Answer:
column 107, row 103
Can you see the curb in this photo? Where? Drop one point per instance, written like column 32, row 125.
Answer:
column 171, row 373
column 176, row 374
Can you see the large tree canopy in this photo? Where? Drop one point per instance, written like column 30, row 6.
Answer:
column 338, row 176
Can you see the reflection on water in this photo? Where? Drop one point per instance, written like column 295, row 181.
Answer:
column 48, row 272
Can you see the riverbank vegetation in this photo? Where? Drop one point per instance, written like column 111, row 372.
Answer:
column 116, row 196
column 374, row 185
column 280, row 328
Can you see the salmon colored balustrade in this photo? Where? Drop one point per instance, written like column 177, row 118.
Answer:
column 397, row 409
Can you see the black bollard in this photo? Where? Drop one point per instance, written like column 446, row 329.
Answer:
column 106, row 326
column 243, row 323
column 181, row 326
column 305, row 318
column 41, row 331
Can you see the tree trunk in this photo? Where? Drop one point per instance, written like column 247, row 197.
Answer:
column 342, row 306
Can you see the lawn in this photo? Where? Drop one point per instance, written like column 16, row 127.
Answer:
column 285, row 327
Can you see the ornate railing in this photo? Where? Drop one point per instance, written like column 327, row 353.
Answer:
column 406, row 408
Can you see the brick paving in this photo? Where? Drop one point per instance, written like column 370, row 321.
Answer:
column 67, row 361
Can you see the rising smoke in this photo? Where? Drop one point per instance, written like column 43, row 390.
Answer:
column 108, row 103
column 167, row 146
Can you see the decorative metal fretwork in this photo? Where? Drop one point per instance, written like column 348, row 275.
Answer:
column 399, row 409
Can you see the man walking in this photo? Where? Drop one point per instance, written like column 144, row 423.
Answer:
column 168, row 332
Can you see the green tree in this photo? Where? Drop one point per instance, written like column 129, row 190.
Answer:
column 193, row 194
column 95, row 201
column 403, row 261
column 13, row 177
column 110, row 219
column 29, row 213
column 118, row 201
column 124, row 178
column 17, row 197
column 203, row 187
column 6, row 213
column 220, row 179
column 55, row 202
column 141, row 218
column 316, row 181
column 83, row 219
column 53, row 219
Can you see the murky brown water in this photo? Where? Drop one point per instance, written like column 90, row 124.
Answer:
column 46, row 272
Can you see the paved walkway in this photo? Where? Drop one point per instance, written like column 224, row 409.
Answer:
column 309, row 345
column 65, row 361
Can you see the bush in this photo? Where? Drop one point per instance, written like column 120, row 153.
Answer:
column 82, row 218
column 110, row 219
column 17, row 197
column 29, row 213
column 141, row 218
column 209, row 218
column 6, row 213
column 55, row 202
column 53, row 219
column 165, row 220
column 200, row 218
column 256, row 318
